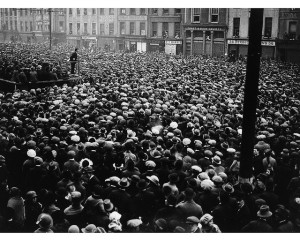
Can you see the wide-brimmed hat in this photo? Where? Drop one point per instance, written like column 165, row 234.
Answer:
column 91, row 228
column 192, row 220
column 108, row 205
column 264, row 212
column 228, row 188
column 154, row 179
column 216, row 160
column 45, row 220
column 124, row 183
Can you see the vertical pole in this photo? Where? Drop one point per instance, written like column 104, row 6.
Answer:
column 251, row 92
column 50, row 27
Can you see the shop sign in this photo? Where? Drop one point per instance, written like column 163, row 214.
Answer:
column 173, row 42
column 74, row 38
column 88, row 38
column 246, row 42
column 205, row 29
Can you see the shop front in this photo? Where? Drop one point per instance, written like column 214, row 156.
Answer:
column 74, row 41
column 156, row 45
column 239, row 47
column 89, row 41
column 173, row 47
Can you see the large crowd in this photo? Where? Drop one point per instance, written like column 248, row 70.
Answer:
column 147, row 143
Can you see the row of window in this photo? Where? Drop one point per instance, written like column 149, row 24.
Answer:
column 123, row 11
column 267, row 30
column 28, row 26
column 213, row 15
column 132, row 29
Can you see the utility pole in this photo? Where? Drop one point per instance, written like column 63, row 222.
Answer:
column 50, row 27
column 251, row 92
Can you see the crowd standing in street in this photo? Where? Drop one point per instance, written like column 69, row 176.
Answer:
column 146, row 143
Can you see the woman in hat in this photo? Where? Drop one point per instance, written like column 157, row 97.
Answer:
column 45, row 223
column 32, row 210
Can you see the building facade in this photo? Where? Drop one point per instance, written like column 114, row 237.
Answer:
column 288, row 42
column 165, row 30
column 204, row 31
column 132, row 29
column 238, row 31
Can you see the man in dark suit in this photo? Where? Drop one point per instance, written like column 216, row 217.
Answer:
column 73, row 59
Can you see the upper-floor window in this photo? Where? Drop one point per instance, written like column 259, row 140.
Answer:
column 111, row 11
column 123, row 11
column 196, row 15
column 85, row 11
column 214, row 15
column 111, row 28
column 132, row 28
column 101, row 11
column 122, row 27
column 132, row 11
column 70, row 11
column 154, row 11
column 94, row 11
column 268, row 27
column 142, row 11
column 236, row 27
column 165, row 11
column 177, row 10
column 78, row 11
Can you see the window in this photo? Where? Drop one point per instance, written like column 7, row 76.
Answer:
column 165, row 30
column 111, row 29
column 177, row 30
column 101, row 28
column 123, row 11
column 154, row 11
column 26, row 27
column 78, row 28
column 214, row 15
column 94, row 11
column 61, row 26
column 10, row 12
column 142, row 28
column 268, row 27
column 70, row 28
column 132, row 11
column 21, row 12
column 165, row 11
column 31, row 27
column 21, row 26
column 101, row 11
column 143, row 11
column 94, row 29
column 132, row 29
column 6, row 25
column 218, row 34
column 196, row 15
column 85, row 30
column 85, row 11
column 236, row 27
column 70, row 11
column 11, row 25
column 16, row 25
column 25, row 12
column 78, row 11
column 177, row 11
column 122, row 28
column 292, row 30
column 111, row 11
column 154, row 29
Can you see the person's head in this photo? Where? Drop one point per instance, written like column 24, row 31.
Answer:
column 76, row 49
column 45, row 221
column 206, row 220
column 192, row 223
column 189, row 194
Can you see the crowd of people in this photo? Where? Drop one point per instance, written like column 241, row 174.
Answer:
column 149, row 143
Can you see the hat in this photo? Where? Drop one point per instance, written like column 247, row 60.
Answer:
column 228, row 188
column 31, row 194
column 150, row 164
column 73, row 229
column 88, row 169
column 216, row 160
column 196, row 168
column 192, row 219
column 154, row 179
column 75, row 138
column 207, row 184
column 264, row 212
column 206, row 218
column 179, row 229
column 108, row 206
column 161, row 223
column 186, row 141
column 134, row 223
column 173, row 125
column 217, row 179
column 142, row 184
column 173, row 177
column 231, row 150
column 45, row 220
column 31, row 153
column 114, row 216
column 123, row 183
column 75, row 195
column 91, row 228
column 208, row 153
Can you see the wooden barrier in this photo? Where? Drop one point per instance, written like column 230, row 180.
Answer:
column 10, row 86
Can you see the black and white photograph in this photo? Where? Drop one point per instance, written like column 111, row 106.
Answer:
column 149, row 120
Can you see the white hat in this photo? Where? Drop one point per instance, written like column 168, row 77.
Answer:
column 75, row 138
column 31, row 153
column 186, row 141
column 173, row 125
column 114, row 216
column 231, row 150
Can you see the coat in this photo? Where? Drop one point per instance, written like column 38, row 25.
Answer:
column 257, row 226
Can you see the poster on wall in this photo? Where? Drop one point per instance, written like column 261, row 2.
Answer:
column 170, row 49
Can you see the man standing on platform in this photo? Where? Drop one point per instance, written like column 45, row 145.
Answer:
column 73, row 60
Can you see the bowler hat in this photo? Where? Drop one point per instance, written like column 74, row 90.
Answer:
column 264, row 212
